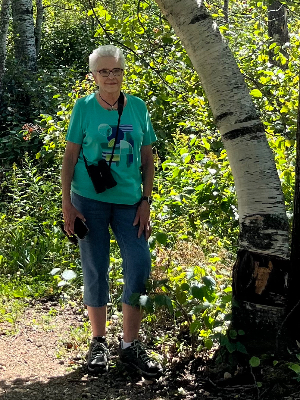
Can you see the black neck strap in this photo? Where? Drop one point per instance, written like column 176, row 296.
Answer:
column 120, row 111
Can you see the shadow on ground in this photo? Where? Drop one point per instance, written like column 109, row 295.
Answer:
column 117, row 384
column 121, row 384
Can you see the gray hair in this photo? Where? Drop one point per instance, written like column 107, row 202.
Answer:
column 106, row 51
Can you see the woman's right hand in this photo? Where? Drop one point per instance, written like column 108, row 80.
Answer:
column 70, row 213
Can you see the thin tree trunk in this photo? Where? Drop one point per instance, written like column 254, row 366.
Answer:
column 278, row 30
column 294, row 296
column 23, row 29
column 4, row 22
column 264, row 231
column 38, row 25
column 225, row 10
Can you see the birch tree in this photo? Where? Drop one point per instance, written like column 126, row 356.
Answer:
column 4, row 22
column 23, row 30
column 38, row 25
column 259, row 274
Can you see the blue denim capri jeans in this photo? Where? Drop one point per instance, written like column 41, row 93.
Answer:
column 95, row 247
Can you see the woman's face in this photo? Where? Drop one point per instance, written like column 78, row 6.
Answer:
column 111, row 83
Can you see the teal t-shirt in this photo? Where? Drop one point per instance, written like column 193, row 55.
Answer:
column 94, row 128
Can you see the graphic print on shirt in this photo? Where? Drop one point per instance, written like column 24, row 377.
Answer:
column 124, row 146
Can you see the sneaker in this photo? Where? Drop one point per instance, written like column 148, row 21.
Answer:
column 135, row 355
column 98, row 355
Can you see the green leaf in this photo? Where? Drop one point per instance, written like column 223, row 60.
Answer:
column 169, row 303
column 256, row 93
column 161, row 237
column 167, row 40
column 160, row 300
column 209, row 281
column 255, row 361
column 195, row 326
column 241, row 348
column 198, row 292
column 226, row 299
column 185, row 287
column 295, row 368
column 170, row 78
column 231, row 347
column 208, row 343
column 233, row 334
column 180, row 296
column 139, row 30
column 134, row 299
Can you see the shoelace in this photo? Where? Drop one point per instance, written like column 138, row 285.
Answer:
column 140, row 351
column 98, row 350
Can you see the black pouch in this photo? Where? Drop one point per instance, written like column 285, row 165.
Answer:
column 101, row 176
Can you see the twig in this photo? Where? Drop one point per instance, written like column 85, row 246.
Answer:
column 136, row 54
column 255, row 383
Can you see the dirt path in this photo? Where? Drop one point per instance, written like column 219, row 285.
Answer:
column 44, row 359
column 41, row 360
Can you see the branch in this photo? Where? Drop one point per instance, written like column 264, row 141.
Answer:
column 156, row 70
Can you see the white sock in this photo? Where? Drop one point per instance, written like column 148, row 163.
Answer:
column 124, row 344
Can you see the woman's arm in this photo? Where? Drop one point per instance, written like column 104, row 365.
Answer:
column 143, row 213
column 67, row 172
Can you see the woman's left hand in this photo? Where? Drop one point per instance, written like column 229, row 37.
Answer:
column 143, row 219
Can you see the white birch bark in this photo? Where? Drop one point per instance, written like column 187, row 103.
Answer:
column 262, row 215
column 4, row 22
column 38, row 25
column 23, row 28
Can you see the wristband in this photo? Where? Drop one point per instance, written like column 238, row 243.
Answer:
column 148, row 199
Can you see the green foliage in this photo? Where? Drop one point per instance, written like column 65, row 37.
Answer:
column 295, row 366
column 194, row 299
column 296, row 369
column 194, row 192
column 31, row 242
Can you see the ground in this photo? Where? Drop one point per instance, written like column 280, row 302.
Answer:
column 43, row 358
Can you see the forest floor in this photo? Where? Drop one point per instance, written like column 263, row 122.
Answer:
column 42, row 357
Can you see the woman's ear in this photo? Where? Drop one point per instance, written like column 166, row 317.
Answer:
column 95, row 78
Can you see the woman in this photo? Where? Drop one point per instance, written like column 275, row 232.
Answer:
column 93, row 136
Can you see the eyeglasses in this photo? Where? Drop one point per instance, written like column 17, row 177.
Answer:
column 106, row 72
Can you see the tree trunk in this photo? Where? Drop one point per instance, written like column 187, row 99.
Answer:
column 225, row 10
column 294, row 294
column 278, row 30
column 23, row 30
column 38, row 25
column 264, row 231
column 4, row 21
